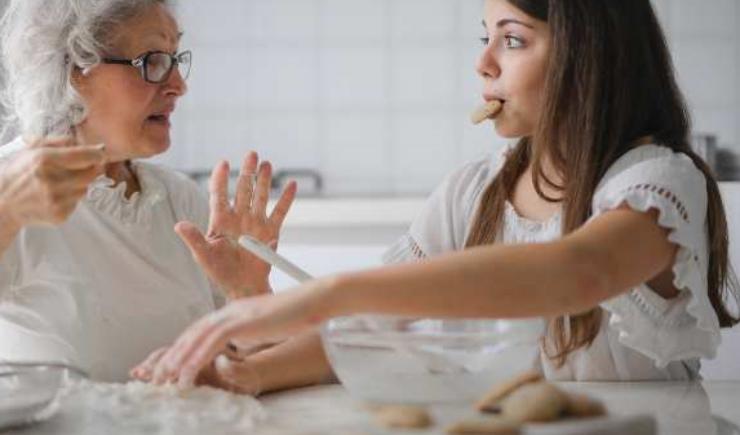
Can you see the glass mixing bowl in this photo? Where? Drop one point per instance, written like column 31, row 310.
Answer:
column 410, row 360
column 29, row 391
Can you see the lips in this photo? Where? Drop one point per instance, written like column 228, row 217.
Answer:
column 160, row 117
column 491, row 97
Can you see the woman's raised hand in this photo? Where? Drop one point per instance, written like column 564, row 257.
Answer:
column 43, row 183
column 233, row 268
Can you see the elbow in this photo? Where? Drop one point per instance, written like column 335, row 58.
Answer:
column 590, row 278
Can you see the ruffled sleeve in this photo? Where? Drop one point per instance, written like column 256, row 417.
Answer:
column 684, row 327
column 443, row 223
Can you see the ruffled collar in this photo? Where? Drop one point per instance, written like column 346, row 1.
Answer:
column 530, row 225
column 109, row 198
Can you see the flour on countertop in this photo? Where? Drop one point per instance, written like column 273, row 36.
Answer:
column 152, row 409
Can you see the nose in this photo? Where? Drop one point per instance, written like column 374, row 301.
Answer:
column 175, row 85
column 488, row 66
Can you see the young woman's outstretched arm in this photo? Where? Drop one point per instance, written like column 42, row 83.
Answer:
column 604, row 258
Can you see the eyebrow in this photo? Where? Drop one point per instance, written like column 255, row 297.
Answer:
column 505, row 21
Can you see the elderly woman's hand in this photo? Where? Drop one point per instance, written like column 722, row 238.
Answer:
column 238, row 272
column 42, row 183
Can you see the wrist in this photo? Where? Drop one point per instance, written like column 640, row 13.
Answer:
column 336, row 297
column 243, row 291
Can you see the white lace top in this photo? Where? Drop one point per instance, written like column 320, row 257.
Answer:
column 111, row 284
column 643, row 336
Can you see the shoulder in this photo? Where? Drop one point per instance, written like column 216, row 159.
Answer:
column 470, row 175
column 461, row 188
column 655, row 162
column 470, row 179
column 654, row 177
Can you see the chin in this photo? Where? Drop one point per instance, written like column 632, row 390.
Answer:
column 155, row 147
column 507, row 133
column 511, row 130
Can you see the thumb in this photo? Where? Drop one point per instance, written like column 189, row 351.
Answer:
column 48, row 141
column 193, row 238
column 237, row 376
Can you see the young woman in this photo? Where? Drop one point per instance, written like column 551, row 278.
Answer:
column 600, row 219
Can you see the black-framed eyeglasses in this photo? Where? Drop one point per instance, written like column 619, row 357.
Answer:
column 156, row 66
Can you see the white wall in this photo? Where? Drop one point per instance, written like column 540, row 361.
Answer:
column 705, row 41
column 375, row 94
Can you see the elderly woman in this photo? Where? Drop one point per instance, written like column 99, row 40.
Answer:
column 91, row 271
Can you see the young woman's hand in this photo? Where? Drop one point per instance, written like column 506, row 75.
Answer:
column 228, row 371
column 233, row 268
column 43, row 183
column 256, row 320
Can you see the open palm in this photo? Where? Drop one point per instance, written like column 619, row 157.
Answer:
column 238, row 272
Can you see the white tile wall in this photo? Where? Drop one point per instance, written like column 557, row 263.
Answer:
column 705, row 40
column 375, row 94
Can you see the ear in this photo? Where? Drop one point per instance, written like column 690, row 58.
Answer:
column 79, row 78
column 76, row 77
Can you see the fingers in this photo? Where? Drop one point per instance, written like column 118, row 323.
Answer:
column 49, row 141
column 210, row 344
column 280, row 211
column 170, row 366
column 219, row 194
column 77, row 157
column 78, row 179
column 262, row 192
column 237, row 376
column 245, row 184
column 143, row 371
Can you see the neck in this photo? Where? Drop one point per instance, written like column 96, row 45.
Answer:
column 118, row 171
column 122, row 172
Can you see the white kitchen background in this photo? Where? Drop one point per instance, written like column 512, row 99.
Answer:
column 374, row 95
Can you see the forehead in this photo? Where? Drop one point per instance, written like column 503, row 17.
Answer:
column 503, row 15
column 502, row 9
column 153, row 28
column 497, row 10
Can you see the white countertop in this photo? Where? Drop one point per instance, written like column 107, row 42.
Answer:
column 678, row 408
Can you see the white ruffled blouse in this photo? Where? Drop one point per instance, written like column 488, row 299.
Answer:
column 111, row 284
column 643, row 336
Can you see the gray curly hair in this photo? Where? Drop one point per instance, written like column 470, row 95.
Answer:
column 41, row 42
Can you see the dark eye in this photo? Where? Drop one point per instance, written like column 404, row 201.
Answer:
column 513, row 41
column 485, row 40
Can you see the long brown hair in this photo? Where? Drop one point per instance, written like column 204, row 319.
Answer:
column 610, row 81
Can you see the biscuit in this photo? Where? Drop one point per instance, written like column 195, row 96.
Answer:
column 491, row 400
column 401, row 416
column 538, row 402
column 487, row 111
column 582, row 406
column 485, row 426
